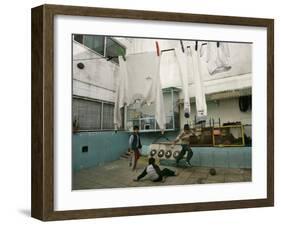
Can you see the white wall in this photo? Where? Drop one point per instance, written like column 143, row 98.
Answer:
column 225, row 109
column 16, row 85
column 239, row 76
column 98, row 79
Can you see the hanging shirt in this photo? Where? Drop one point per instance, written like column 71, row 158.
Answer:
column 120, row 95
column 142, row 78
column 170, row 74
column 184, row 73
column 139, row 81
column 194, row 62
column 217, row 57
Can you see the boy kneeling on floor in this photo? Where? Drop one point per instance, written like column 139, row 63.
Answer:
column 154, row 173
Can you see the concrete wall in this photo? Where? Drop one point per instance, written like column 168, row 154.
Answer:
column 230, row 157
column 238, row 77
column 98, row 78
column 102, row 147
column 107, row 146
column 225, row 109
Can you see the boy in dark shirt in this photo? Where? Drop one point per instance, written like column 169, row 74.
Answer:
column 134, row 146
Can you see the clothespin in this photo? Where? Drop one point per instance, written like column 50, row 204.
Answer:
column 218, row 44
column 157, row 48
column 182, row 48
column 196, row 45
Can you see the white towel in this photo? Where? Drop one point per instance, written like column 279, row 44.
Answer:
column 184, row 73
column 140, row 82
column 120, row 95
column 194, row 62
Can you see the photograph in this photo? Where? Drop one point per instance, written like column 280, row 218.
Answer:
column 139, row 112
column 160, row 112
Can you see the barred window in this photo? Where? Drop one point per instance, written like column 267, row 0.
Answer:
column 87, row 113
column 107, row 122
column 92, row 115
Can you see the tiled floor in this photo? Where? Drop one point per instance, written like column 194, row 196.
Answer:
column 117, row 174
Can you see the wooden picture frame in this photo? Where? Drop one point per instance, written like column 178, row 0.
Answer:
column 42, row 203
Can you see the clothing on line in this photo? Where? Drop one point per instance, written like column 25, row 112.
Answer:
column 194, row 62
column 139, row 81
column 217, row 58
column 184, row 73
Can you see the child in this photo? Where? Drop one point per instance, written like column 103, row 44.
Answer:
column 135, row 145
column 154, row 173
column 184, row 138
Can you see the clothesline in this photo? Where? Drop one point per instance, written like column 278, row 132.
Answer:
column 139, row 80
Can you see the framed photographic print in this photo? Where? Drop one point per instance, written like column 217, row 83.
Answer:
column 141, row 112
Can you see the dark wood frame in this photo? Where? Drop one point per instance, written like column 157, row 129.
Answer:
column 42, row 203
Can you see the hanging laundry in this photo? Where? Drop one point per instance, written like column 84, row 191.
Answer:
column 120, row 95
column 217, row 56
column 184, row 72
column 141, row 45
column 139, row 81
column 169, row 70
column 194, row 62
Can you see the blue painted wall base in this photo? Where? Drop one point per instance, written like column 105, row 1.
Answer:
column 102, row 147
column 108, row 146
column 227, row 157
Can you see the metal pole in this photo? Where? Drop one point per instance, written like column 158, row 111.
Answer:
column 172, row 96
column 101, row 118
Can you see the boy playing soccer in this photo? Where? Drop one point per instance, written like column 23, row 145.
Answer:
column 184, row 138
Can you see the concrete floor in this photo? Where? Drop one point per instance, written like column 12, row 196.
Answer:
column 118, row 174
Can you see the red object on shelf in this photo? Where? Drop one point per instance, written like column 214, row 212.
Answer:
column 217, row 132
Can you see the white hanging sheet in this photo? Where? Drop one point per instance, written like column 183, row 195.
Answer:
column 185, row 71
column 139, row 81
column 194, row 62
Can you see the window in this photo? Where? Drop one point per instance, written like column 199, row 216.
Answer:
column 95, row 43
column 92, row 114
column 78, row 38
column 87, row 114
column 114, row 49
column 107, row 122
column 105, row 46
